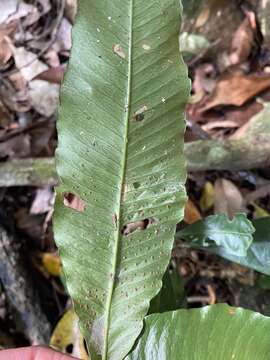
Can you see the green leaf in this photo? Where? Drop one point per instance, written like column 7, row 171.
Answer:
column 258, row 255
column 233, row 236
column 210, row 333
column 121, row 165
column 172, row 294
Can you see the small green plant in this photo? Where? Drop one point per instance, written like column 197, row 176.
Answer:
column 122, row 191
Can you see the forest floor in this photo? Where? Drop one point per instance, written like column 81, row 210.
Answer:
column 226, row 45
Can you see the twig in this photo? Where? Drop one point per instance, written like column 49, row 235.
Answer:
column 202, row 155
column 20, row 291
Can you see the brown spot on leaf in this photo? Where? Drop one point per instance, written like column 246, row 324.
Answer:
column 74, row 202
column 232, row 311
column 118, row 50
column 139, row 114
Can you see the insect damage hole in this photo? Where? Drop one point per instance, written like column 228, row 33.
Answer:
column 69, row 349
column 137, row 226
column 73, row 201
column 140, row 114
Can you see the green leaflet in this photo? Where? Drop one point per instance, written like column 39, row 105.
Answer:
column 216, row 332
column 233, row 236
column 258, row 253
column 120, row 163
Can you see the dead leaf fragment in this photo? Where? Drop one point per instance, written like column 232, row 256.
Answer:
column 53, row 75
column 6, row 30
column 70, row 10
column 192, row 214
column 43, row 201
column 8, row 9
column 228, row 199
column 118, row 50
column 44, row 96
column 242, row 43
column 208, row 197
column 28, row 63
column 203, row 17
column 235, row 89
column 52, row 263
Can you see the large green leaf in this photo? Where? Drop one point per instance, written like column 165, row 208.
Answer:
column 120, row 163
column 233, row 236
column 217, row 332
column 258, row 254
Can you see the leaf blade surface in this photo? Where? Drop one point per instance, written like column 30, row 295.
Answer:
column 120, row 156
column 210, row 333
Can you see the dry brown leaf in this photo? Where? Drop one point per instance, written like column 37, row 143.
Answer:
column 242, row 43
column 23, row 10
column 16, row 147
column 5, row 115
column 203, row 83
column 6, row 30
column 53, row 75
column 70, row 10
column 5, row 52
column 27, row 63
column 63, row 39
column 44, row 96
column 17, row 98
column 43, row 201
column 235, row 89
column 8, row 9
column 228, row 198
column 220, row 125
column 203, row 17
column 192, row 214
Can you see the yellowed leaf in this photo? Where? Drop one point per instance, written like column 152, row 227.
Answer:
column 51, row 263
column 207, row 199
column 67, row 337
column 259, row 211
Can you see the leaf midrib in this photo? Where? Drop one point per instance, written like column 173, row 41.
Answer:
column 123, row 173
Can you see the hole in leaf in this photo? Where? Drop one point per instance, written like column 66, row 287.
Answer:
column 139, row 114
column 137, row 226
column 136, row 185
column 69, row 348
column 74, row 202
